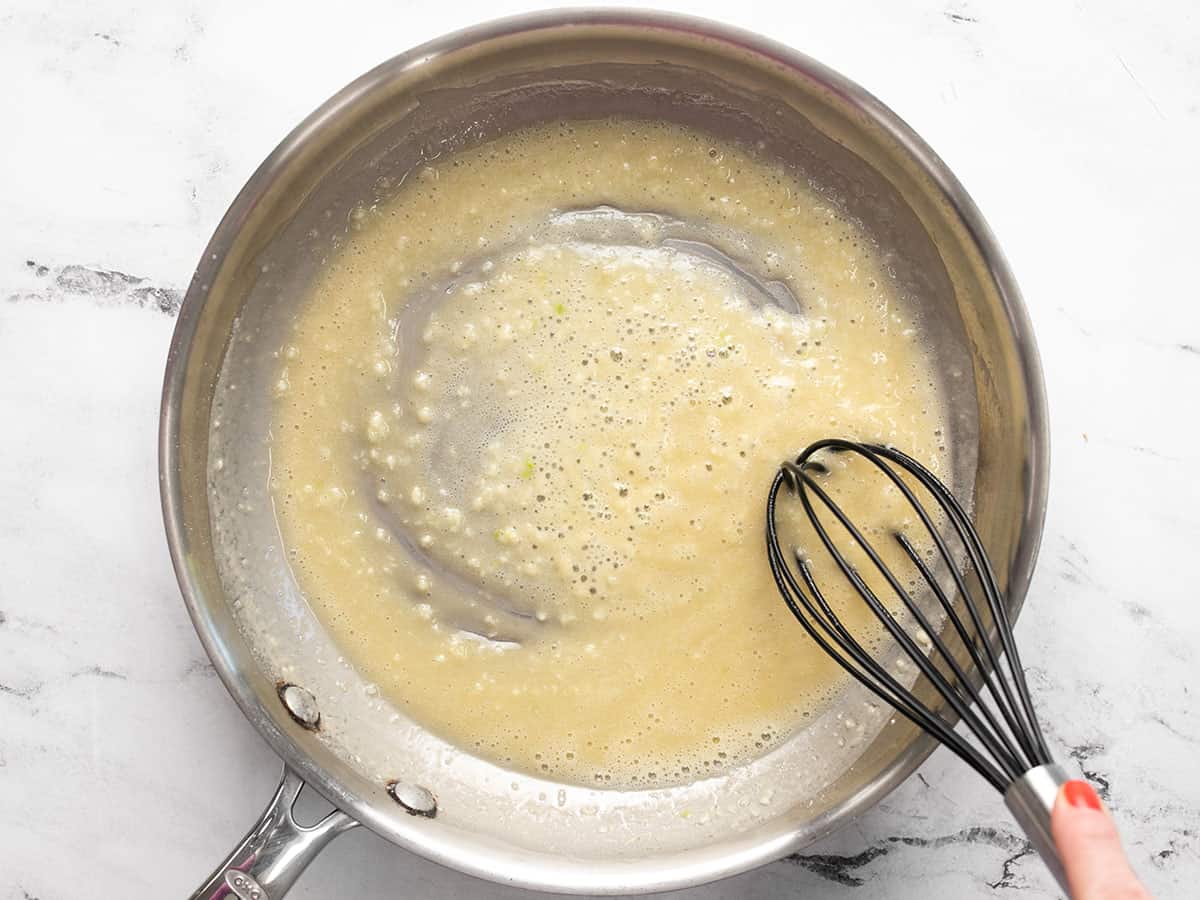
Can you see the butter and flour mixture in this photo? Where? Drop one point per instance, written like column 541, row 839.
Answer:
column 524, row 427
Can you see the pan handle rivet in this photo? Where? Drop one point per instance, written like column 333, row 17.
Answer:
column 300, row 704
column 416, row 800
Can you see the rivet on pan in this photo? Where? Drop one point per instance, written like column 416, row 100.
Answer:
column 416, row 800
column 300, row 704
column 243, row 886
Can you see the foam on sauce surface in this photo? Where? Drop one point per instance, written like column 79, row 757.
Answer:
column 524, row 428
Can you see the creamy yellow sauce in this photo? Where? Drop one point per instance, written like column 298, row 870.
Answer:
column 524, row 429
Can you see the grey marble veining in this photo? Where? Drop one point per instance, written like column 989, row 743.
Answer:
column 128, row 127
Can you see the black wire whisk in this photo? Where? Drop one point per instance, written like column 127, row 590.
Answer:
column 969, row 657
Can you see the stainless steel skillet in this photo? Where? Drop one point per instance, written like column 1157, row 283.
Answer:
column 376, row 767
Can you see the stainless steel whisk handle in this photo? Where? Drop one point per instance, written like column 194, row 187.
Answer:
column 1031, row 800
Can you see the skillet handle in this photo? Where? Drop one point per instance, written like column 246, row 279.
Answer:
column 269, row 859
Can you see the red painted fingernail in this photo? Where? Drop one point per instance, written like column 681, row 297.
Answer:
column 1080, row 795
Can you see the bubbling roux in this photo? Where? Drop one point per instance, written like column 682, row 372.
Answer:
column 524, row 428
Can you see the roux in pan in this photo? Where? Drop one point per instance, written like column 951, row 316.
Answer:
column 554, row 375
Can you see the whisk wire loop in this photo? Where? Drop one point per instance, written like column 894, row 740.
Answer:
column 1028, row 731
column 839, row 644
column 993, row 740
column 1007, row 738
column 999, row 609
column 970, row 642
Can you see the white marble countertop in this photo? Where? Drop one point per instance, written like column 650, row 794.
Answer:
column 125, row 770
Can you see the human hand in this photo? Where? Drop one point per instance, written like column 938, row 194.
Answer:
column 1090, row 847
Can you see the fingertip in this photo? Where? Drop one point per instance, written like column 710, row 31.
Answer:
column 1079, row 818
column 1079, row 794
column 1089, row 844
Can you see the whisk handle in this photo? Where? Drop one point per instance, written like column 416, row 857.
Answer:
column 1030, row 799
